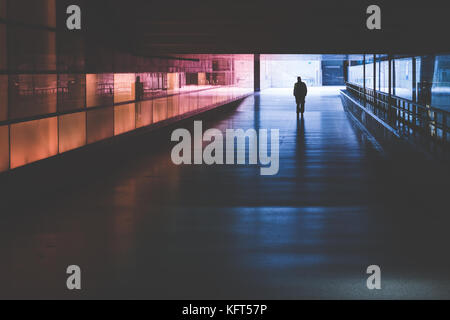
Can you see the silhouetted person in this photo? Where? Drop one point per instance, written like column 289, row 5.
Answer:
column 300, row 92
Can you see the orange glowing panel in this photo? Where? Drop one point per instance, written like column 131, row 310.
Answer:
column 193, row 101
column 159, row 109
column 99, row 89
column 124, row 118
column 4, row 148
column 33, row 140
column 173, row 82
column 124, row 87
column 3, row 97
column 100, row 124
column 184, row 103
column 173, row 105
column 72, row 131
column 144, row 113
column 205, row 99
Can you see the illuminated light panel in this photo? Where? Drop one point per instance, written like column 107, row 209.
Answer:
column 124, row 87
column 159, row 110
column 33, row 140
column 100, row 124
column 4, row 148
column 144, row 113
column 173, row 106
column 124, row 118
column 72, row 131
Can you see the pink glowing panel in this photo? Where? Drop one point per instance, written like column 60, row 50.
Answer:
column 100, row 124
column 72, row 131
column 193, row 101
column 184, row 103
column 159, row 109
column 3, row 97
column 3, row 48
column 173, row 105
column 4, row 148
column 124, row 87
column 144, row 113
column 33, row 140
column 124, row 118
column 205, row 98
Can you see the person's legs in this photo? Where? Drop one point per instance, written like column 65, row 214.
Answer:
column 302, row 110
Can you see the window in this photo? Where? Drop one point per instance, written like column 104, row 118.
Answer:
column 159, row 109
column 173, row 106
column 144, row 113
column 403, row 78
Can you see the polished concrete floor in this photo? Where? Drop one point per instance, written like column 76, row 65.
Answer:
column 141, row 227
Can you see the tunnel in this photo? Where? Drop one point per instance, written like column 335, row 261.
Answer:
column 160, row 149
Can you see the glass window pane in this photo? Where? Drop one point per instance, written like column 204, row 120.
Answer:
column 3, row 48
column 4, row 148
column 159, row 109
column 124, row 87
column 100, row 124
column 403, row 78
column 40, row 12
column 144, row 113
column 440, row 91
column 184, row 103
column 124, row 118
column 33, row 140
column 99, row 89
column 32, row 49
column 3, row 97
column 193, row 101
column 32, row 95
column 71, row 91
column 71, row 51
column 72, row 131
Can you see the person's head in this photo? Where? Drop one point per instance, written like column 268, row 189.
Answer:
column 299, row 79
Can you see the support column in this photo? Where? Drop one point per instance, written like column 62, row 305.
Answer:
column 257, row 72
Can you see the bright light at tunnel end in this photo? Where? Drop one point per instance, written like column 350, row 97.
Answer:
column 235, row 147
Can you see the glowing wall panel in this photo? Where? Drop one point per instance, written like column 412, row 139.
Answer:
column 32, row 94
column 3, row 97
column 184, row 103
column 159, row 109
column 33, row 140
column 72, row 131
column 124, row 118
column 124, row 87
column 71, row 92
column 4, row 148
column 193, row 101
column 100, row 124
column 144, row 113
column 205, row 98
column 99, row 89
column 173, row 105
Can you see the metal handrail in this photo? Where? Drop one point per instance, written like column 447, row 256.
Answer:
column 413, row 114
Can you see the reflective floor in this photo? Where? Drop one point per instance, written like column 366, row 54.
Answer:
column 141, row 227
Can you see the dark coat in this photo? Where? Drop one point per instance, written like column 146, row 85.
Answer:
column 300, row 90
